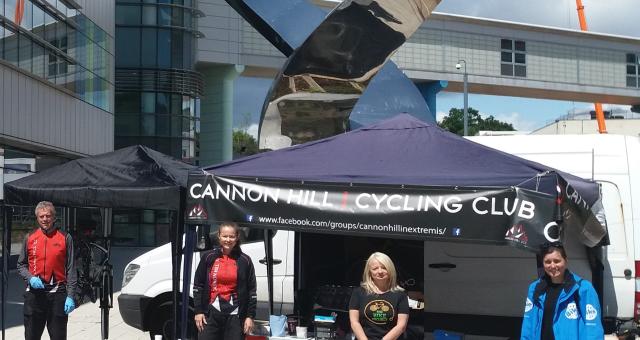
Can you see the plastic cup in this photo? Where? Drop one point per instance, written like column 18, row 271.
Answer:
column 301, row 332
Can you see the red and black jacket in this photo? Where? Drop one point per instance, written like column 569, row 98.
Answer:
column 49, row 256
column 246, row 287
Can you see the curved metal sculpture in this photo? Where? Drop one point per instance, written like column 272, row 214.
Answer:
column 339, row 76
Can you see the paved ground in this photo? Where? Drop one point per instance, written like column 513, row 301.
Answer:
column 84, row 322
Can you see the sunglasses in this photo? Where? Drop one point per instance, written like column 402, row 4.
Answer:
column 547, row 245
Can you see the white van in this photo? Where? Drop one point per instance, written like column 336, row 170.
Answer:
column 474, row 289
column 491, row 281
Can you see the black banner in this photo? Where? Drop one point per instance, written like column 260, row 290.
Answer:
column 503, row 215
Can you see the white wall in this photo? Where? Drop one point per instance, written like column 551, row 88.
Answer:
column 628, row 127
column 38, row 116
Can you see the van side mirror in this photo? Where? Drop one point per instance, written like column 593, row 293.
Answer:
column 203, row 242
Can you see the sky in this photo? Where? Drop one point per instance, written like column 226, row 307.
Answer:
column 617, row 17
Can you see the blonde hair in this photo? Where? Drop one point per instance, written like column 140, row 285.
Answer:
column 367, row 281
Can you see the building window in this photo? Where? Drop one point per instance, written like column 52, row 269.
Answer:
column 10, row 46
column 57, row 65
column 40, row 40
column 128, row 47
column 513, row 58
column 141, row 228
column 633, row 74
column 166, row 122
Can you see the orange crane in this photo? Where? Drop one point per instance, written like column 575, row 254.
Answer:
column 583, row 27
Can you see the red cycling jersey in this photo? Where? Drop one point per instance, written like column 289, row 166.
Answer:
column 224, row 278
column 47, row 256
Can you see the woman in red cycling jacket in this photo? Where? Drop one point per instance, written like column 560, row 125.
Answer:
column 224, row 289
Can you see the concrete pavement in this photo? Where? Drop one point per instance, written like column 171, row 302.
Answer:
column 84, row 322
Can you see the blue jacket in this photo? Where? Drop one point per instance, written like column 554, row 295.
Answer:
column 577, row 316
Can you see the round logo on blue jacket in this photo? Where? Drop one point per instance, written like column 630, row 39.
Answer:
column 572, row 311
column 528, row 305
column 592, row 313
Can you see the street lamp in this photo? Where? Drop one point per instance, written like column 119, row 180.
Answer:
column 466, row 96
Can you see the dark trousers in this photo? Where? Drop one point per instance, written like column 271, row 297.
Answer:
column 42, row 308
column 222, row 326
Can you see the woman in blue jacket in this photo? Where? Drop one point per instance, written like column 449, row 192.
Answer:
column 561, row 305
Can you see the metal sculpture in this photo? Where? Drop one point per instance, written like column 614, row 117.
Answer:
column 338, row 75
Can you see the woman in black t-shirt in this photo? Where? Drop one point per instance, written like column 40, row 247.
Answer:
column 379, row 308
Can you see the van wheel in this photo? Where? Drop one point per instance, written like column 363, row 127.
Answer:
column 163, row 323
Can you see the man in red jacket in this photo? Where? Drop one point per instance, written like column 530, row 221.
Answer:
column 46, row 264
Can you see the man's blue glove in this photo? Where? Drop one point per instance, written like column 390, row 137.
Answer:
column 36, row 283
column 69, row 305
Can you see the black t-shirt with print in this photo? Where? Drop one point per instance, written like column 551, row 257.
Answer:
column 378, row 312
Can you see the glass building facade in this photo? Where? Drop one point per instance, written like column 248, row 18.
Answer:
column 157, row 90
column 53, row 41
column 156, row 97
column 633, row 70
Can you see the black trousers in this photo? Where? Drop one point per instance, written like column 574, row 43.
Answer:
column 222, row 326
column 42, row 308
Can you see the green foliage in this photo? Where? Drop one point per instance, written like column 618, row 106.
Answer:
column 492, row 124
column 244, row 144
column 635, row 108
column 454, row 122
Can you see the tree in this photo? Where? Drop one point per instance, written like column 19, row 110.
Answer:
column 492, row 124
column 454, row 122
column 244, row 144
column 635, row 108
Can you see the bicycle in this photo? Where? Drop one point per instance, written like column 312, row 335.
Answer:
column 95, row 277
